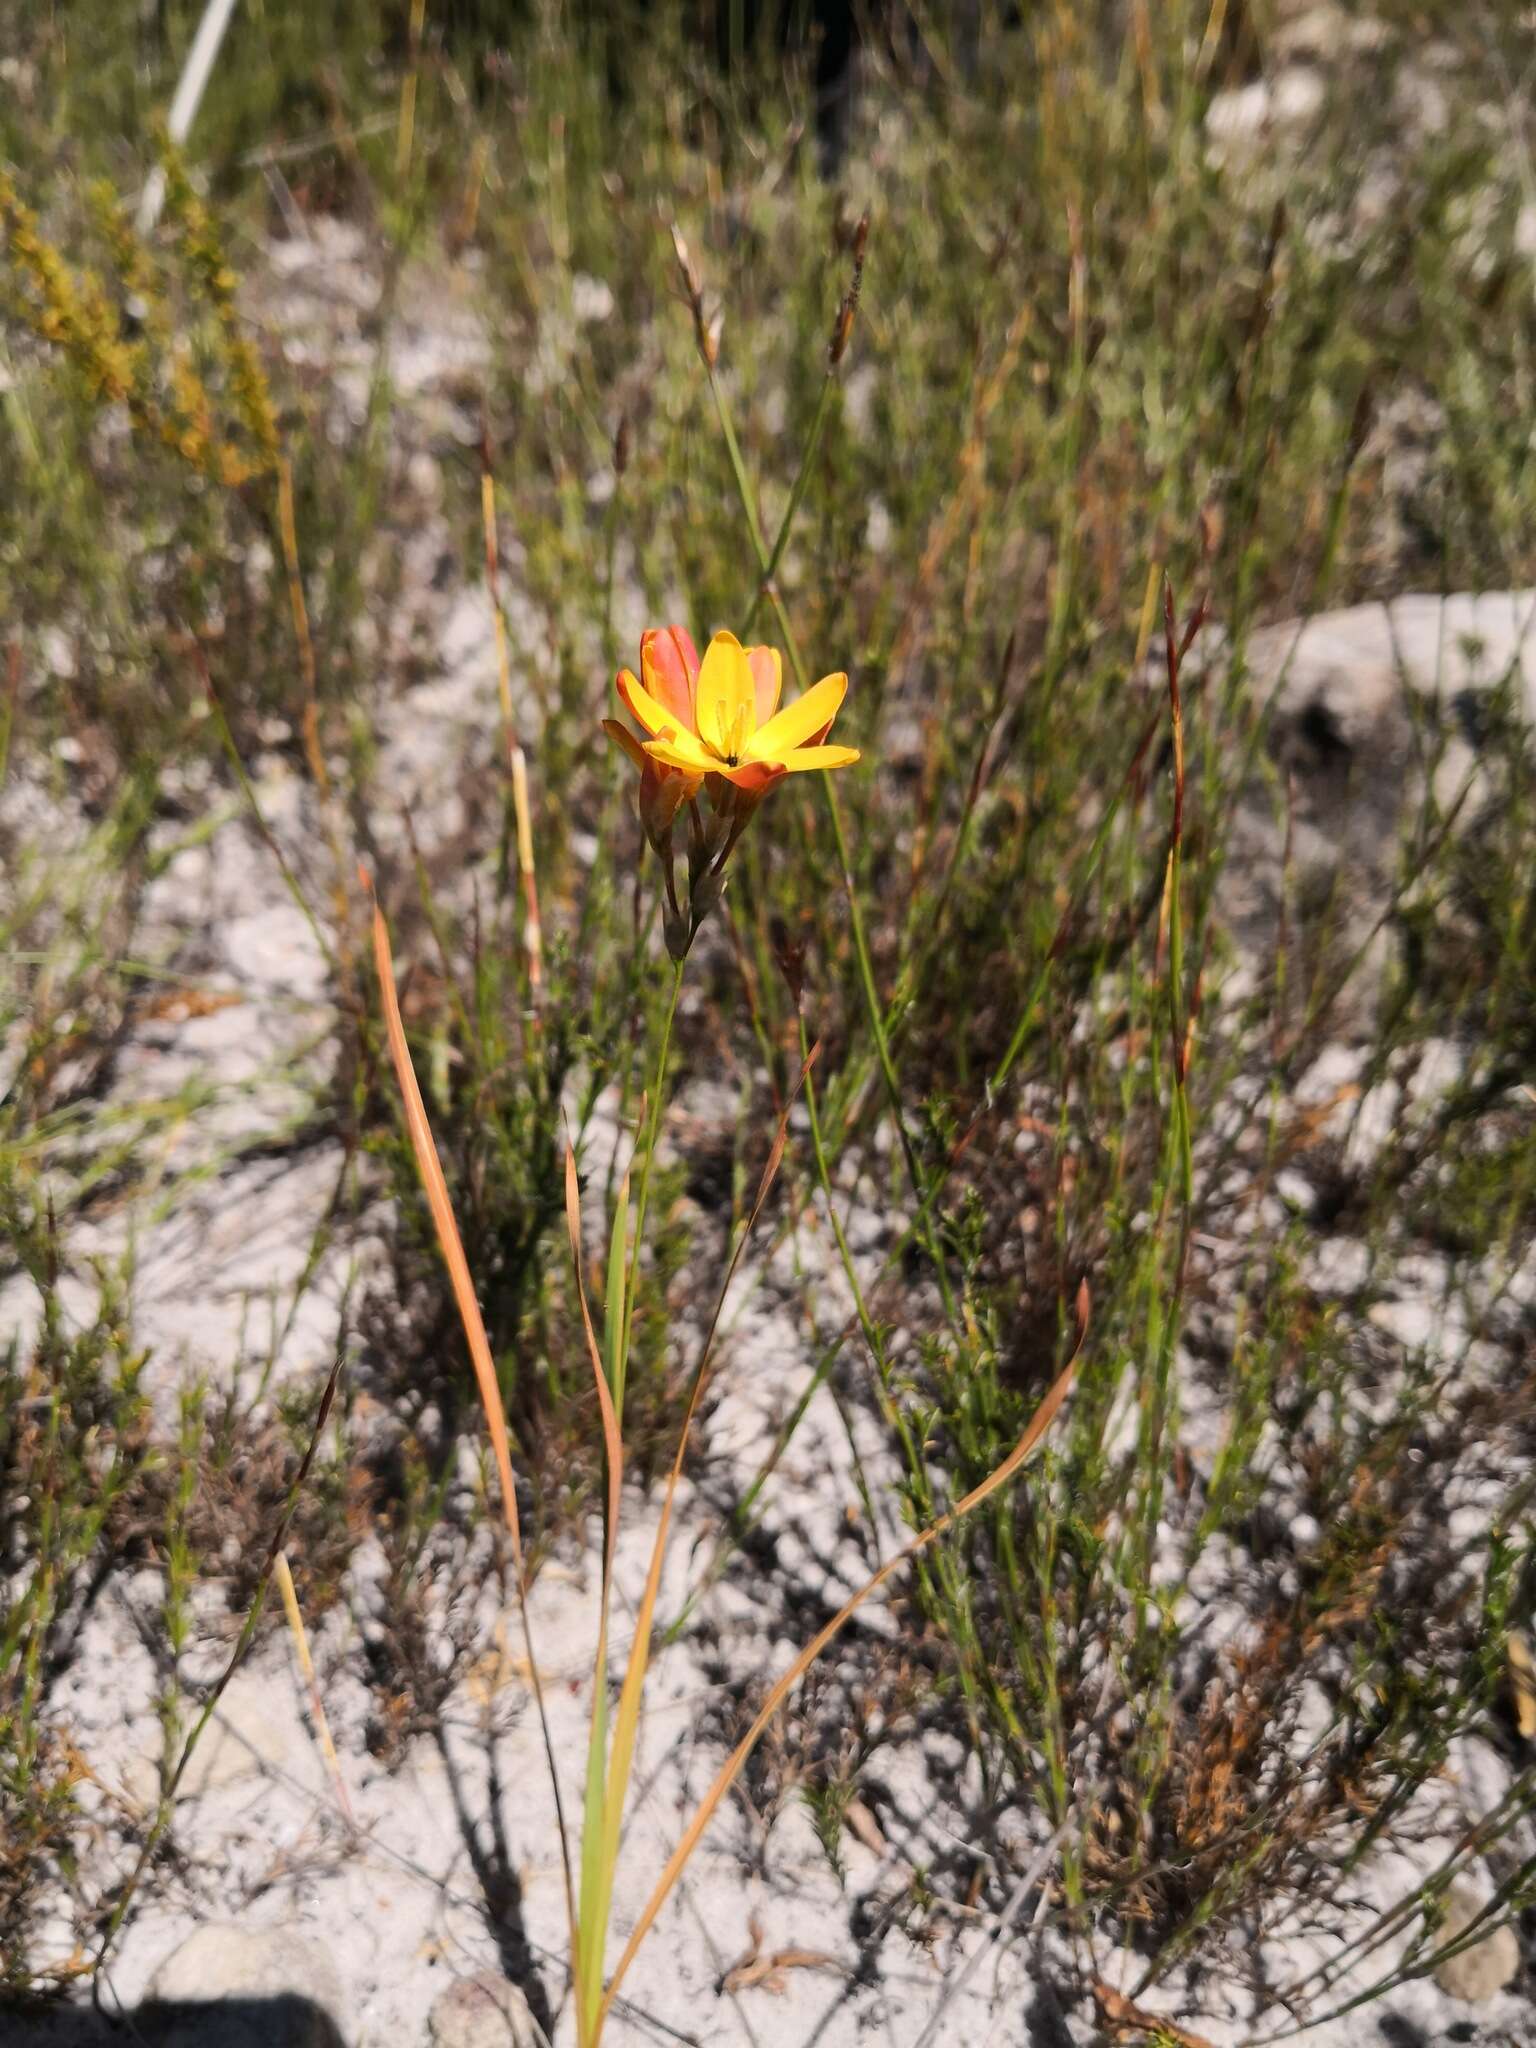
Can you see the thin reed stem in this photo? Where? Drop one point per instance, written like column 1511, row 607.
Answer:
column 642, row 1194
column 873, row 1007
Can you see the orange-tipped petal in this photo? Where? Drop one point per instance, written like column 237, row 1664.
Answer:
column 726, row 699
column 670, row 664
column 753, row 775
column 795, row 725
column 799, row 758
column 622, row 737
column 767, row 680
column 654, row 717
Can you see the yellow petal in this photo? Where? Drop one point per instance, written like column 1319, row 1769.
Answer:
column 818, row 757
column 795, row 724
column 643, row 707
column 725, row 703
column 682, row 752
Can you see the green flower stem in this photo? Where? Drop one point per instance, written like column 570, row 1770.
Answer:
column 797, row 492
column 653, row 1126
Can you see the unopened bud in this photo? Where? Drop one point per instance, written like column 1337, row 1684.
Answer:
column 689, row 274
column 706, row 330
column 790, row 954
column 621, row 445
column 705, row 893
column 661, row 792
column 708, row 833
column 842, row 332
column 847, row 312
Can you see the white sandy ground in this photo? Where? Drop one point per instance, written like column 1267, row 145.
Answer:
column 416, row 1895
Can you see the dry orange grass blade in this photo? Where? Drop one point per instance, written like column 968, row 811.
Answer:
column 1128, row 2021
column 1044, row 1415
column 430, row 1168
column 612, row 1442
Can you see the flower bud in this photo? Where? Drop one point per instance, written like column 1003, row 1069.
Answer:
column 705, row 893
column 847, row 312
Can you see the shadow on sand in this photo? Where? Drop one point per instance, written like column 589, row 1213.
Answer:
column 287, row 2021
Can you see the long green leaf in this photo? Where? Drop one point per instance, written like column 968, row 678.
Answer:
column 590, row 1924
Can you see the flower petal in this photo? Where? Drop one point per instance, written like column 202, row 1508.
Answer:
column 818, row 757
column 796, row 723
column 670, row 664
column 663, row 791
column 624, row 738
column 753, row 775
column 768, row 680
column 726, row 699
column 644, row 708
column 682, row 751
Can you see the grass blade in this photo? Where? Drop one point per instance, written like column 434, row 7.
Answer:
column 614, row 1357
column 296, row 1629
column 596, row 1874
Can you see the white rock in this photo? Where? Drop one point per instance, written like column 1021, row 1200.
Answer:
column 1247, row 122
column 1482, row 1971
column 1346, row 694
column 1415, row 1324
column 291, row 1981
column 591, row 298
column 58, row 652
column 1325, row 33
column 1295, row 1190
column 483, row 2012
column 1338, row 1266
column 1437, row 645
column 1482, row 1776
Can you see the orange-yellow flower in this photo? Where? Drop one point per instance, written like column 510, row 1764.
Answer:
column 670, row 665
column 721, row 716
